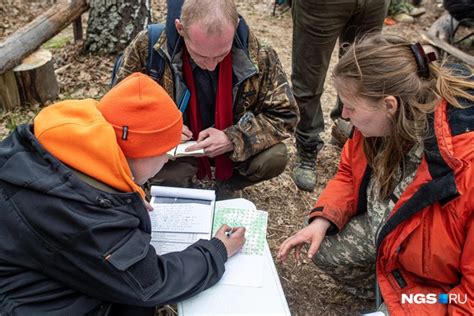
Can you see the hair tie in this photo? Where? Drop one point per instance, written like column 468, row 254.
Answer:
column 422, row 59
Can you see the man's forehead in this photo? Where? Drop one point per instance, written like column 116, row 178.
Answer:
column 209, row 45
column 205, row 30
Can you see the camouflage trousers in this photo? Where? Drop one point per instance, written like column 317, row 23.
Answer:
column 263, row 166
column 349, row 257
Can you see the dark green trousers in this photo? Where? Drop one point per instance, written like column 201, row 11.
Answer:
column 317, row 24
column 263, row 166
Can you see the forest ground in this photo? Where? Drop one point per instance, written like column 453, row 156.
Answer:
column 308, row 290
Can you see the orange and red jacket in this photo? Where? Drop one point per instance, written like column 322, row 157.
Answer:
column 427, row 243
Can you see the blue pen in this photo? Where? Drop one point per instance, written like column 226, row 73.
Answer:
column 183, row 104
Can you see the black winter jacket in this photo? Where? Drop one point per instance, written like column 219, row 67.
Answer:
column 67, row 248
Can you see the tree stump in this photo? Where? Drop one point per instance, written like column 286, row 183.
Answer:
column 30, row 37
column 9, row 97
column 36, row 79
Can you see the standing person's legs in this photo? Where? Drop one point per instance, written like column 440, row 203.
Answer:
column 316, row 27
column 367, row 18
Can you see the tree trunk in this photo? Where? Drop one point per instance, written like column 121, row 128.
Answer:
column 114, row 23
column 36, row 79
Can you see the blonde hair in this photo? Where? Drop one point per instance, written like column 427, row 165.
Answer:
column 214, row 15
column 379, row 66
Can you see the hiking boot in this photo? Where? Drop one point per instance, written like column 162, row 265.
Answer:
column 340, row 132
column 224, row 191
column 304, row 173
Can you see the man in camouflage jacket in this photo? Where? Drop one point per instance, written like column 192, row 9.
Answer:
column 264, row 111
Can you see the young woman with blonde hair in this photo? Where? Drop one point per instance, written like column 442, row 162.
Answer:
column 401, row 206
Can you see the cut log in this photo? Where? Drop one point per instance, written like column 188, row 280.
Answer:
column 9, row 97
column 29, row 38
column 36, row 79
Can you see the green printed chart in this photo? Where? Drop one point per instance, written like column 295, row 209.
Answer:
column 254, row 221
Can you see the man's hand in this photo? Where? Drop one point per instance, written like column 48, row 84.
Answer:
column 213, row 141
column 233, row 240
column 186, row 134
column 148, row 206
column 312, row 234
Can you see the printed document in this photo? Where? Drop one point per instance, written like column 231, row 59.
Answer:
column 180, row 217
column 246, row 267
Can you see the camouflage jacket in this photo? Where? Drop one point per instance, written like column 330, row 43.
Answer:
column 265, row 111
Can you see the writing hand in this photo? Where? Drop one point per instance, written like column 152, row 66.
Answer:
column 312, row 234
column 186, row 134
column 234, row 240
column 213, row 141
column 148, row 206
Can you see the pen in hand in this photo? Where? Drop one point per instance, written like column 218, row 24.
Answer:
column 186, row 134
column 233, row 238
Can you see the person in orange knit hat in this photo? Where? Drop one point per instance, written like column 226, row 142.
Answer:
column 70, row 188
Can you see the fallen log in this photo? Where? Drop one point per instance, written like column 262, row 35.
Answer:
column 450, row 49
column 29, row 38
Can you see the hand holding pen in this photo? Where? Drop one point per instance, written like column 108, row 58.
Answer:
column 186, row 134
column 233, row 238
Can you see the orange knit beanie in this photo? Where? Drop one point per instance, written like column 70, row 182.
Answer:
column 145, row 119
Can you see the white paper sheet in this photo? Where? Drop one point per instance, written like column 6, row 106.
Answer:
column 228, row 300
column 209, row 195
column 243, row 270
column 180, row 150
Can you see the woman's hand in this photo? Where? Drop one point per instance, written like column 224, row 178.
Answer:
column 312, row 234
column 233, row 238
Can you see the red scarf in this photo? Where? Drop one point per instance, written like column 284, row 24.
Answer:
column 223, row 115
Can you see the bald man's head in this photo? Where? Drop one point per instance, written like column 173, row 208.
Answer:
column 214, row 16
column 208, row 28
